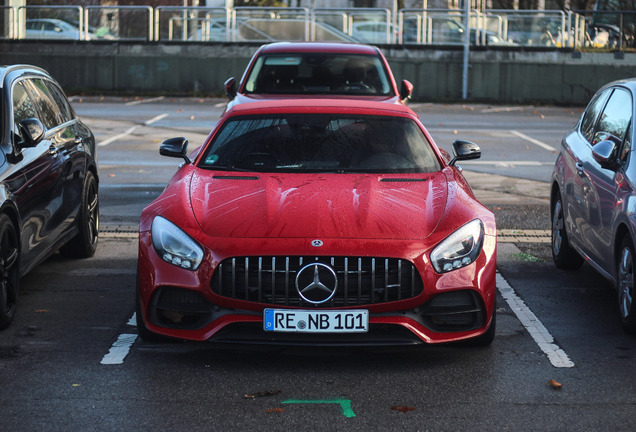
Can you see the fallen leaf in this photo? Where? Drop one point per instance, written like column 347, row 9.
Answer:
column 262, row 394
column 275, row 410
column 555, row 385
column 403, row 409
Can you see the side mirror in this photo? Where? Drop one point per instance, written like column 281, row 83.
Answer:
column 606, row 153
column 175, row 147
column 406, row 89
column 31, row 131
column 230, row 88
column 464, row 150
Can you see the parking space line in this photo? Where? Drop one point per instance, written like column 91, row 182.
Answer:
column 533, row 141
column 121, row 347
column 506, row 109
column 131, row 130
column 117, row 137
column 155, row 119
column 537, row 330
column 142, row 101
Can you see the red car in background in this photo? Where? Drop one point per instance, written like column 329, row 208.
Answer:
column 315, row 222
column 292, row 69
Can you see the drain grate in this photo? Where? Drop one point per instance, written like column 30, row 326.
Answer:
column 503, row 236
column 523, row 236
column 119, row 230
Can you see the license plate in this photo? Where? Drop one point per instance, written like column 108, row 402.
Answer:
column 314, row 321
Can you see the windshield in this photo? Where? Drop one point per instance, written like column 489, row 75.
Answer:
column 319, row 73
column 321, row 143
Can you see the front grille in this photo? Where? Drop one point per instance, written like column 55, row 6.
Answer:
column 272, row 280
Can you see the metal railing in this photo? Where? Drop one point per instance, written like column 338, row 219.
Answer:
column 584, row 30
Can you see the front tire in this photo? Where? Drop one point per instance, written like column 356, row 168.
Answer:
column 84, row 244
column 9, row 271
column 563, row 255
column 625, row 281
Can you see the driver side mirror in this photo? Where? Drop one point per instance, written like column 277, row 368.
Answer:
column 406, row 89
column 31, row 131
column 175, row 147
column 230, row 88
column 464, row 150
column 606, row 154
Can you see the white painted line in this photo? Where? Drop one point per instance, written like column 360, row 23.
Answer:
column 155, row 119
column 506, row 109
column 141, row 101
column 131, row 130
column 117, row 137
column 119, row 350
column 133, row 320
column 533, row 141
column 539, row 333
column 220, row 104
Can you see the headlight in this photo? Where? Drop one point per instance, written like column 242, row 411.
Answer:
column 459, row 249
column 174, row 246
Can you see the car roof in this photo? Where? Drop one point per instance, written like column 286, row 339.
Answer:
column 320, row 105
column 327, row 47
column 630, row 83
column 22, row 68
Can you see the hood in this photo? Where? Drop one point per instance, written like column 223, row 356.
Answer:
column 257, row 205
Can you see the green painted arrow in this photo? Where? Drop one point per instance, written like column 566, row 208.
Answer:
column 345, row 404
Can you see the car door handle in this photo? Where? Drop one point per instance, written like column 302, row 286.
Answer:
column 53, row 150
column 579, row 168
column 79, row 141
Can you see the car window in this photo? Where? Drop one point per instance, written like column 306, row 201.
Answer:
column 616, row 116
column 627, row 145
column 318, row 73
column 51, row 113
column 23, row 106
column 321, row 143
column 66, row 112
column 591, row 114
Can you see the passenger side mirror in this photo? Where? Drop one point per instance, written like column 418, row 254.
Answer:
column 406, row 89
column 230, row 88
column 31, row 131
column 464, row 150
column 175, row 147
column 605, row 153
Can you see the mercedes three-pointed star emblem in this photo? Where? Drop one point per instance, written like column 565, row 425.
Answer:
column 316, row 283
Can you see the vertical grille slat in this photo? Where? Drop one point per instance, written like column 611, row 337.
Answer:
column 272, row 280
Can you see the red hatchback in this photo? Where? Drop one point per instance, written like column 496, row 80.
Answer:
column 293, row 69
column 314, row 222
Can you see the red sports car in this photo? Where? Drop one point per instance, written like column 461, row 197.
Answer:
column 319, row 222
column 320, row 69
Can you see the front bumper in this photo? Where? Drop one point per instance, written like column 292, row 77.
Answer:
column 453, row 306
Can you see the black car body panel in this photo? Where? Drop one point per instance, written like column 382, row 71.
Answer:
column 42, row 182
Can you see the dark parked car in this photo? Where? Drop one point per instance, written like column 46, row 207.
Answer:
column 593, row 197
column 310, row 69
column 48, row 179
